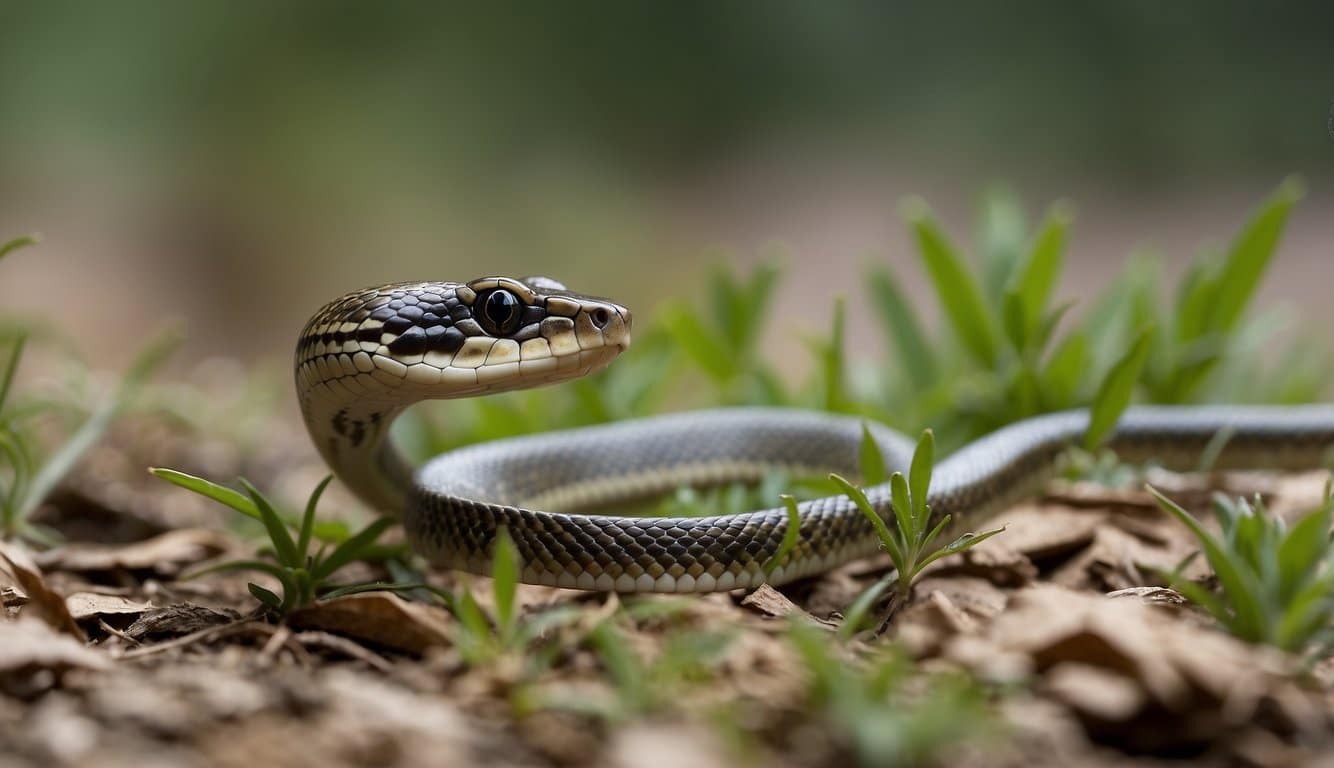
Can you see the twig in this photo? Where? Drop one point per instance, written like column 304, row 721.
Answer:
column 110, row 630
column 346, row 647
column 203, row 635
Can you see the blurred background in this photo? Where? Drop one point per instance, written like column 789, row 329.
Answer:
column 237, row 164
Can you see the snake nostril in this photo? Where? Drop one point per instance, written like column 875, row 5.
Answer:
column 600, row 317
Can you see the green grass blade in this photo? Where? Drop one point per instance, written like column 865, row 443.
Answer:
column 505, row 570
column 964, row 542
column 1114, row 394
column 855, row 619
column 373, row 586
column 1036, row 279
column 1302, row 549
column 791, row 535
column 219, row 493
column 699, row 343
column 90, row 431
column 832, row 366
column 862, row 503
column 17, row 243
column 749, row 303
column 308, row 519
column 1307, row 613
column 931, row 537
column 902, row 503
column 350, row 550
column 1001, row 232
column 1241, row 588
column 1195, row 296
column 1014, row 321
column 919, row 478
column 11, row 368
column 1250, row 253
column 283, row 545
column 870, row 460
column 265, row 596
column 262, row 566
column 1060, row 378
column 916, row 359
column 955, row 286
column 471, row 616
column 1206, row 600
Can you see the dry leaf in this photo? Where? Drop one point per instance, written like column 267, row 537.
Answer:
column 165, row 555
column 44, row 602
column 380, row 618
column 1046, row 531
column 29, row 647
column 90, row 605
column 770, row 602
column 177, row 620
column 1094, row 691
column 1150, row 596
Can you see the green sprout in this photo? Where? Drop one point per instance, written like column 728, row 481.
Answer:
column 504, row 632
column 882, row 709
column 1276, row 584
column 305, row 576
column 910, row 538
column 639, row 686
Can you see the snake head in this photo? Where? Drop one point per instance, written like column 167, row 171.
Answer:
column 544, row 332
column 418, row 341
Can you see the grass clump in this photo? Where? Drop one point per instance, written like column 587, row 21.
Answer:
column 487, row 636
column 304, row 575
column 907, row 537
column 1004, row 356
column 1275, row 583
column 28, row 473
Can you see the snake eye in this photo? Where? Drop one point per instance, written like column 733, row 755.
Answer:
column 501, row 312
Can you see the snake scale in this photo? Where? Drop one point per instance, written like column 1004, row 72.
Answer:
column 365, row 357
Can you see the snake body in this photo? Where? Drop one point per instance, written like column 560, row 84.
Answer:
column 365, row 357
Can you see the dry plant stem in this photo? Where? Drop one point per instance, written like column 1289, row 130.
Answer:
column 110, row 630
column 344, row 646
column 897, row 600
column 202, row 636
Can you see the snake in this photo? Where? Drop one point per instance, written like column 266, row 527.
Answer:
column 365, row 357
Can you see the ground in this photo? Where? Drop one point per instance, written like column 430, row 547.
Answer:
column 1061, row 649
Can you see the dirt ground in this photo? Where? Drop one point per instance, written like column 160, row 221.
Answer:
column 110, row 659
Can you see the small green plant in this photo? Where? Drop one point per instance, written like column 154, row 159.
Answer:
column 1009, row 353
column 908, row 537
column 639, row 686
column 305, row 576
column 882, row 709
column 485, row 638
column 722, row 338
column 1276, row 584
column 30, row 476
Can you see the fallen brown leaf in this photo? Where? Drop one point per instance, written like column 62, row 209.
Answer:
column 380, row 618
column 165, row 555
column 176, row 620
column 1094, row 691
column 33, row 656
column 1047, row 531
column 1193, row 684
column 770, row 602
column 43, row 602
column 85, row 606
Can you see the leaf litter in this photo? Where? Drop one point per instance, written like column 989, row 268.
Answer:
column 1066, row 615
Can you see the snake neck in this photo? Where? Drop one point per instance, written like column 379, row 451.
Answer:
column 353, row 437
